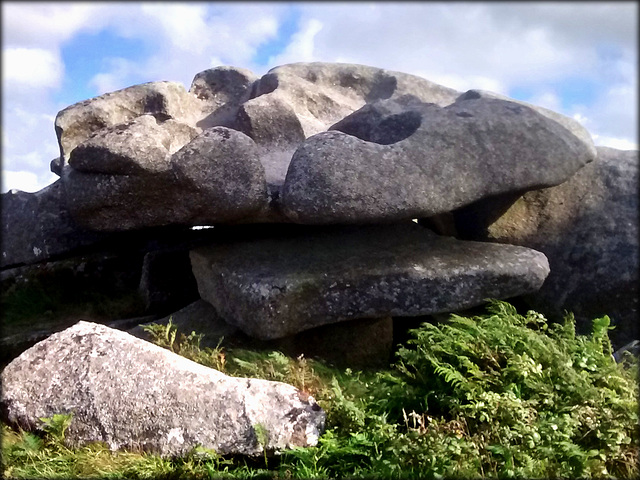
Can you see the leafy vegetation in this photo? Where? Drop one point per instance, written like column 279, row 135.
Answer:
column 499, row 395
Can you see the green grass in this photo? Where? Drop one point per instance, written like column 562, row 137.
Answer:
column 498, row 395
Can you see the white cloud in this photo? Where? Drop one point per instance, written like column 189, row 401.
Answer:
column 462, row 40
column 186, row 38
column 183, row 24
column 573, row 23
column 28, row 68
column 33, row 159
column 21, row 180
column 120, row 69
column 48, row 24
column 613, row 113
column 581, row 119
column 302, row 46
column 619, row 143
column 493, row 46
column 30, row 142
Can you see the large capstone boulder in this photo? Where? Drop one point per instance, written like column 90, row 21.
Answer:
column 37, row 227
column 418, row 160
column 132, row 394
column 401, row 147
column 588, row 229
column 275, row 287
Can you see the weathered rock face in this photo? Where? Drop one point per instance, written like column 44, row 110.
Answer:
column 293, row 102
column 450, row 157
column 121, row 202
column 385, row 121
column 76, row 123
column 220, row 176
column 132, row 394
column 276, row 129
column 142, row 145
column 588, row 229
column 38, row 226
column 221, row 91
column 216, row 177
column 277, row 287
column 124, row 166
column 567, row 122
column 321, row 93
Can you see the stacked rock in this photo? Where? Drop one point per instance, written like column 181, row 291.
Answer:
column 348, row 153
column 318, row 144
column 344, row 199
column 361, row 149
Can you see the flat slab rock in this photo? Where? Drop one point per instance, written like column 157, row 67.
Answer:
column 272, row 288
column 130, row 393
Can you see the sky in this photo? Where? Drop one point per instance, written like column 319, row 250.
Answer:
column 577, row 58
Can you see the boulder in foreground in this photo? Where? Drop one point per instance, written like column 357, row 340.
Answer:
column 132, row 394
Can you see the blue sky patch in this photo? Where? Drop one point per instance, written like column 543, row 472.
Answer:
column 571, row 91
column 273, row 47
column 577, row 91
column 84, row 56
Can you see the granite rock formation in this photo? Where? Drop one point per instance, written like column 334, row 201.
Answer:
column 339, row 201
